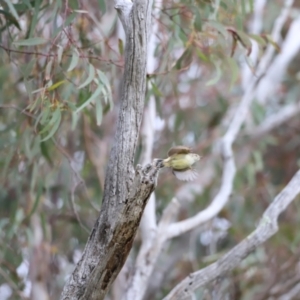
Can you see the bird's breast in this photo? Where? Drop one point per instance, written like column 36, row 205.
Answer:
column 181, row 161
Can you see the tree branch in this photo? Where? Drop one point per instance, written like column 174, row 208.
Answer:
column 267, row 227
column 240, row 114
column 275, row 120
column 125, row 194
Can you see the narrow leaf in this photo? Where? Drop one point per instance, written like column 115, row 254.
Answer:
column 90, row 77
column 102, row 6
column 30, row 42
column 90, row 99
column 50, row 123
column 99, row 112
column 121, row 46
column 12, row 9
column 54, row 128
column 105, row 81
column 60, row 51
column 74, row 60
column 245, row 41
column 233, row 70
column 28, row 86
column 56, row 85
column 261, row 41
column 48, row 69
column 219, row 27
column 68, row 21
column 198, row 21
column 43, row 116
column 218, row 75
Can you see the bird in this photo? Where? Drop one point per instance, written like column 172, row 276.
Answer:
column 181, row 160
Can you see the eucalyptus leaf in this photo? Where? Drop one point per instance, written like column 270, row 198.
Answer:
column 99, row 112
column 74, row 60
column 56, row 122
column 96, row 94
column 218, row 75
column 30, row 42
column 90, row 77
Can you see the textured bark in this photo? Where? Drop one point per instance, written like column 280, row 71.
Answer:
column 125, row 192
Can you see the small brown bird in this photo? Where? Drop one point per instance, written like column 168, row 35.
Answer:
column 181, row 160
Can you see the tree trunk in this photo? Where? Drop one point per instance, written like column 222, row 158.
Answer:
column 125, row 192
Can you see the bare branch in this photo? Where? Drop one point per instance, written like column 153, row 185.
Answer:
column 267, row 227
column 289, row 49
column 229, row 168
column 125, row 192
column 145, row 263
column 150, row 250
column 255, row 27
column 275, row 120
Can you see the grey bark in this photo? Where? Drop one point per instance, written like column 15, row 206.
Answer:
column 125, row 192
column 267, row 227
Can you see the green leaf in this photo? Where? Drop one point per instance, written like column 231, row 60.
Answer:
column 7, row 162
column 68, row 21
column 34, row 18
column 121, row 46
column 259, row 165
column 74, row 60
column 102, row 6
column 245, row 41
column 27, row 68
column 105, row 81
column 201, row 55
column 30, row 42
column 55, row 121
column 71, row 105
column 156, row 90
column 99, row 112
column 50, row 123
column 97, row 92
column 39, row 193
column 233, row 70
column 219, row 27
column 32, row 106
column 23, row 7
column 45, row 152
column 60, row 51
column 184, row 59
column 12, row 9
column 43, row 116
column 270, row 40
column 48, row 69
column 218, row 75
column 258, row 39
column 198, row 21
column 10, row 19
column 243, row 4
column 75, row 119
column 90, row 77
column 56, row 85
column 28, row 86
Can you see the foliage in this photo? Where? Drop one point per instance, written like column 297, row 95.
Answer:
column 60, row 71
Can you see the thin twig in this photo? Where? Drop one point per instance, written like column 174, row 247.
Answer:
column 67, row 55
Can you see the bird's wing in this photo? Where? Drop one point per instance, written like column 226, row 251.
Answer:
column 185, row 175
column 179, row 150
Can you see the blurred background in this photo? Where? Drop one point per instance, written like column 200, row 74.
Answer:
column 61, row 67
